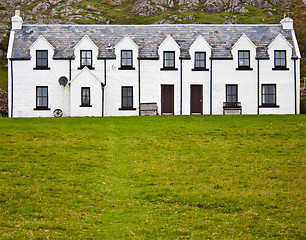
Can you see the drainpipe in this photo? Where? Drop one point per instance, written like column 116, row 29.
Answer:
column 257, row 86
column 139, row 86
column 181, row 85
column 12, row 87
column 102, row 86
column 211, row 68
column 295, row 102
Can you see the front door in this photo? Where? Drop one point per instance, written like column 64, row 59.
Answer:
column 167, row 99
column 196, row 99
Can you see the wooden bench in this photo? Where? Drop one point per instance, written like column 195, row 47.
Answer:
column 148, row 109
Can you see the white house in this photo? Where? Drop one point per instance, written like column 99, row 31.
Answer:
column 120, row 70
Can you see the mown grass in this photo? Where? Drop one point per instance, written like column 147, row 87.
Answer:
column 176, row 177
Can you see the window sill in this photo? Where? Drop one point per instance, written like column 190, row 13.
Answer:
column 91, row 68
column 85, row 105
column 168, row 69
column 126, row 68
column 199, row 69
column 244, row 69
column 41, row 109
column 41, row 68
column 269, row 106
column 280, row 69
column 126, row 109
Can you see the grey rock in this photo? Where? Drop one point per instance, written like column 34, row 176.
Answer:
column 41, row 7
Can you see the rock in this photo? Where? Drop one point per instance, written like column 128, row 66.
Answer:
column 163, row 22
column 270, row 13
column 3, row 102
column 89, row 7
column 143, row 8
column 189, row 17
column 214, row 6
column 41, row 7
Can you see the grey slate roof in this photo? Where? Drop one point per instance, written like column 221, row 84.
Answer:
column 147, row 37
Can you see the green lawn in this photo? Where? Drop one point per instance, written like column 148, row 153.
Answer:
column 163, row 177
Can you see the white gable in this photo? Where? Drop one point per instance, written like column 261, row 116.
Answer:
column 86, row 74
column 169, row 42
column 243, row 43
column 279, row 40
column 126, row 42
column 86, row 43
column 199, row 43
column 41, row 42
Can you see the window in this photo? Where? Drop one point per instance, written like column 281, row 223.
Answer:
column 85, row 97
column 280, row 59
column 200, row 60
column 169, row 59
column 269, row 95
column 243, row 59
column 231, row 93
column 42, row 98
column 42, row 59
column 86, row 58
column 127, row 97
column 126, row 59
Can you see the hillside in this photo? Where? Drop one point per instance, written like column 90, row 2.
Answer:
column 148, row 12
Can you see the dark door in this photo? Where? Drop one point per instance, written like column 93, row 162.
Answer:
column 167, row 99
column 196, row 99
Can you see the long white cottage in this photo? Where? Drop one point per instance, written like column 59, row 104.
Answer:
column 131, row 70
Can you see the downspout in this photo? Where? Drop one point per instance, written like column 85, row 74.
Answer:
column 139, row 87
column 12, row 87
column 69, row 69
column 257, row 86
column 211, row 85
column 103, row 85
column 181, row 85
column 295, row 87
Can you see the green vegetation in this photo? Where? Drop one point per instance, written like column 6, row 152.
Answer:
column 175, row 177
column 3, row 73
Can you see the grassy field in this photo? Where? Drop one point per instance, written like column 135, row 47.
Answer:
column 175, row 177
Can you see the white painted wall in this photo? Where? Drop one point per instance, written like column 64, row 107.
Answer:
column 68, row 98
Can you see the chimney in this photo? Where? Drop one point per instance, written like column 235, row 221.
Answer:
column 16, row 21
column 287, row 22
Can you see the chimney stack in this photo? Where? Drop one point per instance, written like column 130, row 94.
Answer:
column 287, row 22
column 16, row 21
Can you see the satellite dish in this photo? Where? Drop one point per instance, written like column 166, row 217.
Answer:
column 63, row 81
column 58, row 113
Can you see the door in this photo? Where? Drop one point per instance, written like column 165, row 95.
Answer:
column 167, row 99
column 196, row 99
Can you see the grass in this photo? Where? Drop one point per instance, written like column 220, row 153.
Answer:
column 175, row 177
column 3, row 73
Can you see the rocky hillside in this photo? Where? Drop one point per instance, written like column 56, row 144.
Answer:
column 148, row 12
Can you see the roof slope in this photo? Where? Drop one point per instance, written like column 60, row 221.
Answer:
column 147, row 37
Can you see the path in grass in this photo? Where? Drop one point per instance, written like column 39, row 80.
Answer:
column 165, row 177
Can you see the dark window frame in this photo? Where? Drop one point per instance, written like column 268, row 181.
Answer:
column 38, row 65
column 86, row 58
column 127, row 107
column 164, row 60
column 269, row 104
column 85, row 104
column 281, row 66
column 126, row 66
column 243, row 66
column 42, row 107
column 231, row 95
column 199, row 60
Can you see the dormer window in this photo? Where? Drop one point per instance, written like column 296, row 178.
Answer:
column 243, row 59
column 169, row 59
column 127, row 59
column 280, row 59
column 86, row 59
column 199, row 61
column 42, row 59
